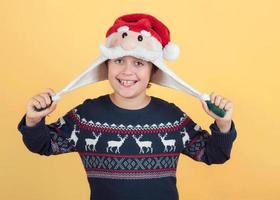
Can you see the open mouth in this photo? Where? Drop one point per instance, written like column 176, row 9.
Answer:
column 127, row 83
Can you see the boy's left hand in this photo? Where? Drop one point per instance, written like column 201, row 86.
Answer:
column 224, row 123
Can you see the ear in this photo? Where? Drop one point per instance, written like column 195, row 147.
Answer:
column 153, row 71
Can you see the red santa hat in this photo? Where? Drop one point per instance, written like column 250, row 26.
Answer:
column 147, row 25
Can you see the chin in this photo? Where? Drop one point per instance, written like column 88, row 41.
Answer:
column 128, row 95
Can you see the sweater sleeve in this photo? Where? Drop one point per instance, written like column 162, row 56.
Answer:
column 50, row 139
column 203, row 147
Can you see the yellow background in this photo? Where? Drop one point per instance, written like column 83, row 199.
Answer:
column 230, row 47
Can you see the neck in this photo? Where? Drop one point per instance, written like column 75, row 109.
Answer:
column 130, row 103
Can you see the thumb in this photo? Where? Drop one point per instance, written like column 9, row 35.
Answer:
column 205, row 107
column 51, row 108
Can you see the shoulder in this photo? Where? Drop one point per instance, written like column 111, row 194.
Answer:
column 168, row 108
column 97, row 101
column 90, row 103
column 173, row 113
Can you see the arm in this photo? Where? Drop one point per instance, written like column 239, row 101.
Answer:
column 48, row 139
column 210, row 149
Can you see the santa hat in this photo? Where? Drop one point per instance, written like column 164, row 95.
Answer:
column 142, row 36
column 148, row 28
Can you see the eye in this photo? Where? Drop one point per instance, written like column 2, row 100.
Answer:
column 139, row 63
column 124, row 34
column 118, row 61
column 140, row 38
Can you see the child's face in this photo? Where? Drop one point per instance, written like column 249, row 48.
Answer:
column 129, row 76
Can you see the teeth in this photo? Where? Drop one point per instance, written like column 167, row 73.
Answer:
column 127, row 82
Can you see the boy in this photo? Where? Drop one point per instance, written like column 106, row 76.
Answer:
column 130, row 142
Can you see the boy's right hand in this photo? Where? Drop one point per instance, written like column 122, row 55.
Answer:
column 42, row 100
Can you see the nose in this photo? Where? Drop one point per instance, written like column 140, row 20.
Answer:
column 128, row 43
column 128, row 68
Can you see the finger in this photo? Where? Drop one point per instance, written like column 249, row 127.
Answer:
column 229, row 105
column 48, row 110
column 223, row 102
column 41, row 100
column 50, row 92
column 35, row 103
column 217, row 100
column 205, row 107
column 47, row 98
column 53, row 106
column 212, row 97
column 203, row 104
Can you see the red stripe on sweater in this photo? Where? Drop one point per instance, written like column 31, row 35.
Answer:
column 127, row 155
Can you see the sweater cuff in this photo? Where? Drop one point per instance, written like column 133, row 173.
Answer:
column 223, row 138
column 36, row 130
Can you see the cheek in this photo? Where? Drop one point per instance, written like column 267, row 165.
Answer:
column 145, row 75
column 111, row 73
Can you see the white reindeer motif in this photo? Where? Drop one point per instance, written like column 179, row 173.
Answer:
column 61, row 122
column 90, row 141
column 186, row 137
column 73, row 136
column 141, row 144
column 167, row 143
column 117, row 144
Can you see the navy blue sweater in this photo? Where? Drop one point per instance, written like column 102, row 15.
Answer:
column 129, row 154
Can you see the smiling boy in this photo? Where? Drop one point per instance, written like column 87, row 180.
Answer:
column 130, row 142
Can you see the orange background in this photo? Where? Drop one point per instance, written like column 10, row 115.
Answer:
column 230, row 47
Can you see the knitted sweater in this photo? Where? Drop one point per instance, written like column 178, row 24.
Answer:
column 129, row 154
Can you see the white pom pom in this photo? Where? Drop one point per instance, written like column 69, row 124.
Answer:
column 171, row 51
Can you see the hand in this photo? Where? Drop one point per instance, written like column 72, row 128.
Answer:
column 41, row 100
column 224, row 123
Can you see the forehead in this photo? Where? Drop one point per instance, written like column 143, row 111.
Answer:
column 131, row 58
